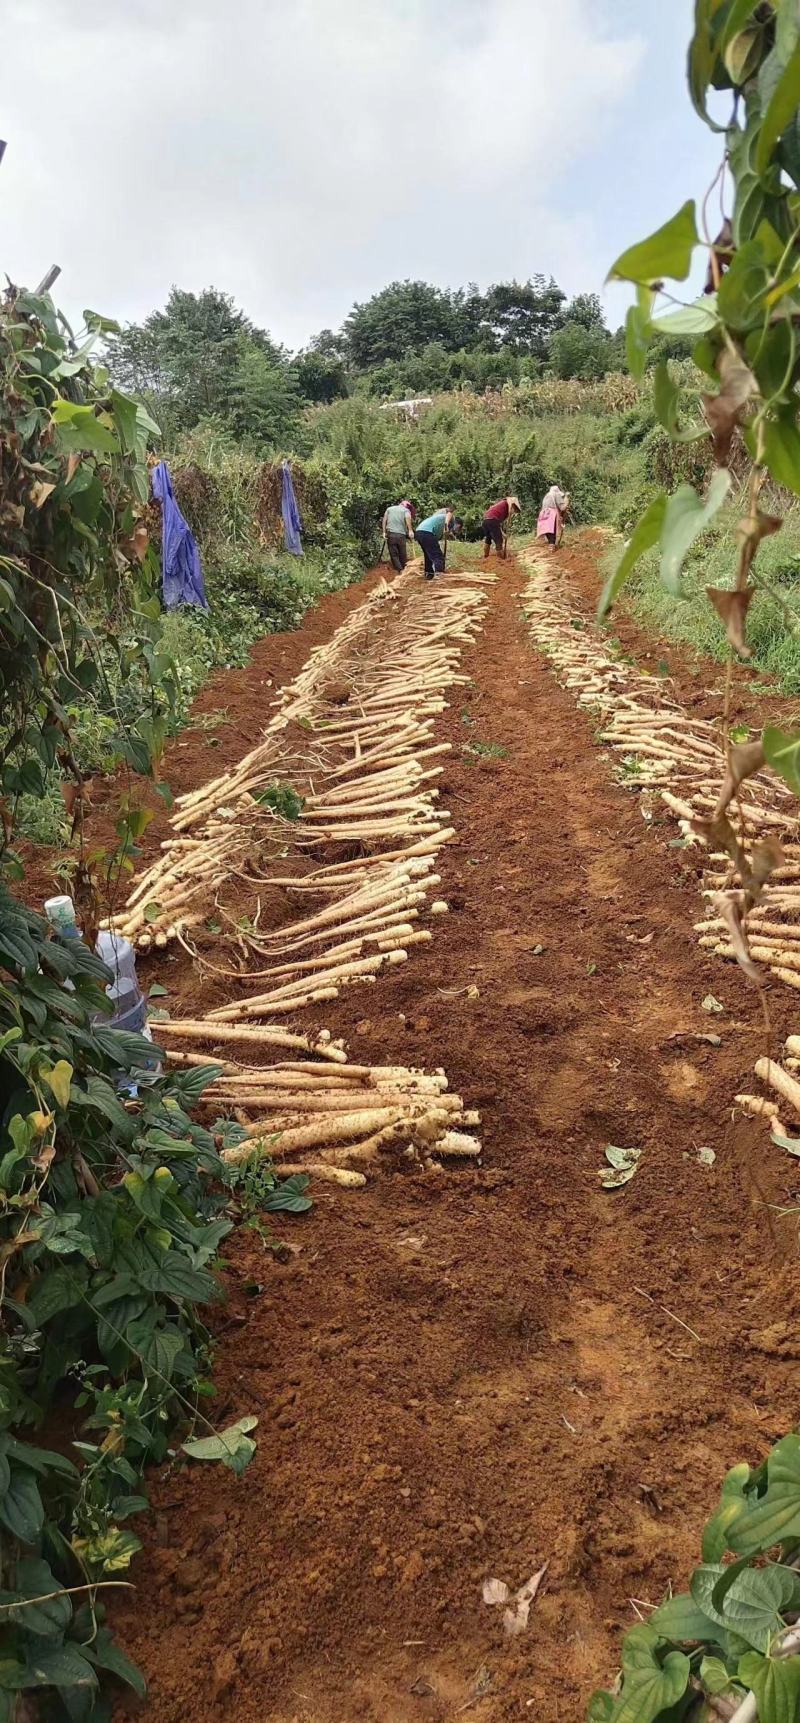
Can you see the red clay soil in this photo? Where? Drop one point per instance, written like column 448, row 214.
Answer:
column 473, row 1373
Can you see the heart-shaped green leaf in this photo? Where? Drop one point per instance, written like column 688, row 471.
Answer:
column 650, row 1686
column 776, row 1516
column 686, row 516
column 667, row 252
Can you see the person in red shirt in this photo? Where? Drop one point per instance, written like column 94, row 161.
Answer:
column 495, row 530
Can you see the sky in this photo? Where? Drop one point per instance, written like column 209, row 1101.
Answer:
column 300, row 154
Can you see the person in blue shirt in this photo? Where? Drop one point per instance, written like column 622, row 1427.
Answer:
column 442, row 524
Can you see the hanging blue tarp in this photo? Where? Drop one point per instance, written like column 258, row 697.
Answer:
column 292, row 524
column 181, row 574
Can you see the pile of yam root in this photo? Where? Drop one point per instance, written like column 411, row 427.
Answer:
column 680, row 758
column 335, row 1120
column 782, row 1079
column 357, row 866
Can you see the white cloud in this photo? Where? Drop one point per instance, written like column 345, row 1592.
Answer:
column 302, row 155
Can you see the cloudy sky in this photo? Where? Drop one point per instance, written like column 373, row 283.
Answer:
column 302, row 153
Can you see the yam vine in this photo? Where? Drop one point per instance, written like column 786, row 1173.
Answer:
column 112, row 1200
column 730, row 1646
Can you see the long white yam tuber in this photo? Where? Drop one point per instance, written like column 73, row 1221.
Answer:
column 777, row 1078
column 315, row 1169
column 334, row 1130
column 191, row 1029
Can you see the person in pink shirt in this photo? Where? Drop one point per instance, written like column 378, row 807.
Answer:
column 550, row 524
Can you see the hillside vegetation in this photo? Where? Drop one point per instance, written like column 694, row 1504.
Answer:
column 525, row 388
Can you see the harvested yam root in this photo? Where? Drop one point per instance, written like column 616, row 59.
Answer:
column 314, row 1116
column 369, row 767
column 663, row 747
column 784, row 1083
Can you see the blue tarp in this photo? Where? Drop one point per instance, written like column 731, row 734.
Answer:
column 292, row 524
column 181, row 574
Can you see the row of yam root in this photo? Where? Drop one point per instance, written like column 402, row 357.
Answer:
column 370, row 764
column 357, row 867
column 678, row 758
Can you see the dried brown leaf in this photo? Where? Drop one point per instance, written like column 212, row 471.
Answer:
column 744, row 760
column 720, row 257
column 44, row 1160
column 732, row 608
column 40, row 492
column 135, row 548
column 73, row 463
column 767, row 854
column 718, row 833
column 731, row 907
column 750, row 531
column 140, row 541
column 724, row 411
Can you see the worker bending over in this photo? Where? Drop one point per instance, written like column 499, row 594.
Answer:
column 443, row 524
column 495, row 527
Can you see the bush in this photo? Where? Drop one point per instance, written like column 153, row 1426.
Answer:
column 108, row 1233
column 109, row 1237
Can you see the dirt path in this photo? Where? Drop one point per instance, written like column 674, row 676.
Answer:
column 463, row 1377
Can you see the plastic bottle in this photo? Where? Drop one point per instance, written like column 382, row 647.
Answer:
column 60, row 912
column 129, row 1006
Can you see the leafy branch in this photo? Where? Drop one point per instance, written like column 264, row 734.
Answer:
column 730, row 1646
column 113, row 1201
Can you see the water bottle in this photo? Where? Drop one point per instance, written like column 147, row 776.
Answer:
column 129, row 1006
column 60, row 912
column 127, row 999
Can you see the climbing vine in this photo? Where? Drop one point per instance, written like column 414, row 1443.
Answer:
column 730, row 1647
column 80, row 621
column 113, row 1201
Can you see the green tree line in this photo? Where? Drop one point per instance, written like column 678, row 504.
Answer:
column 201, row 357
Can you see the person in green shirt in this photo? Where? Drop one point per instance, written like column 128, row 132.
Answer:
column 442, row 524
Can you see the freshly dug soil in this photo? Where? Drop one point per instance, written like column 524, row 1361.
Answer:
column 468, row 1374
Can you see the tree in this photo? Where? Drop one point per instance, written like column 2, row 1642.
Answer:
column 195, row 358
column 521, row 315
column 585, row 308
column 578, row 351
column 328, row 345
column 321, row 376
column 263, row 401
column 405, row 317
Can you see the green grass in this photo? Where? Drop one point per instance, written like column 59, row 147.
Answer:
column 774, row 618
column 484, row 751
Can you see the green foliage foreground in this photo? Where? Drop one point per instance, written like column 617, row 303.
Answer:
column 730, row 1646
column 113, row 1202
